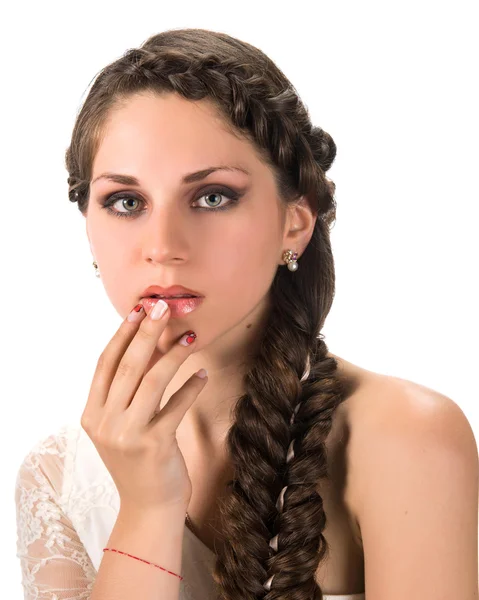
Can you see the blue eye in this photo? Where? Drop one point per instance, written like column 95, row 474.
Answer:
column 124, row 196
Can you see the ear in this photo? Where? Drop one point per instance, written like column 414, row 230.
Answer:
column 299, row 225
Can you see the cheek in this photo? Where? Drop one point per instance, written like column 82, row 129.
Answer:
column 243, row 265
column 113, row 256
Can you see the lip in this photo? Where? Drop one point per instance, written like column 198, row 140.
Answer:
column 179, row 307
column 174, row 290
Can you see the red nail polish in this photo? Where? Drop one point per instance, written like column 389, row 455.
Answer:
column 136, row 313
column 188, row 338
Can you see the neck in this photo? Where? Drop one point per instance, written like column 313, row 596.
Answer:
column 226, row 358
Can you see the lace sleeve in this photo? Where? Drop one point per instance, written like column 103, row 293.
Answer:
column 54, row 563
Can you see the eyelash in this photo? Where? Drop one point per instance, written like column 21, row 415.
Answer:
column 114, row 198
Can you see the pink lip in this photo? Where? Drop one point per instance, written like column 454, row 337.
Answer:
column 175, row 290
column 179, row 307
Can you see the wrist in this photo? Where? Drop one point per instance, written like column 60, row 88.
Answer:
column 152, row 535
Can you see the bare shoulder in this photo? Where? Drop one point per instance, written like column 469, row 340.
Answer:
column 386, row 418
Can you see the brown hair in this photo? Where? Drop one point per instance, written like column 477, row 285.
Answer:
column 291, row 369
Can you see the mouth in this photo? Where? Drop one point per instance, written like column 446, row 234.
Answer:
column 179, row 306
column 173, row 291
column 178, row 296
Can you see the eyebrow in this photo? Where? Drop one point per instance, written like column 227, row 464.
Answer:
column 188, row 178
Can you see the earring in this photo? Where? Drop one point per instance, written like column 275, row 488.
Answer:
column 97, row 272
column 289, row 258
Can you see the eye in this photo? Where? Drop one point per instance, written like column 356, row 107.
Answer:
column 218, row 194
column 115, row 199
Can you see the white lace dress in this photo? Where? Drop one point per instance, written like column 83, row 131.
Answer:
column 66, row 507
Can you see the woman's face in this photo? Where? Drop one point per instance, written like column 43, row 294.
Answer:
column 162, row 237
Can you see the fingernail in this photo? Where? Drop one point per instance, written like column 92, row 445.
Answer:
column 202, row 373
column 188, row 338
column 158, row 310
column 136, row 314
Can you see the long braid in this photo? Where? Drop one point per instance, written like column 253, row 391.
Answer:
column 279, row 458
column 273, row 516
column 273, row 542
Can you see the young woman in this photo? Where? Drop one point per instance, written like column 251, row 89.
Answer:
column 301, row 475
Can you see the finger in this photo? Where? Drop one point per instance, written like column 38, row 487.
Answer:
column 108, row 361
column 132, row 366
column 151, row 389
column 177, row 406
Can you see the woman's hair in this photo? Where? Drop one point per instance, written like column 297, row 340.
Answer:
column 267, row 530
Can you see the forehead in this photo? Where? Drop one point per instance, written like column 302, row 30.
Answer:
column 157, row 132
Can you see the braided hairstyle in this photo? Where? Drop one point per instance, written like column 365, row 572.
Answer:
column 272, row 517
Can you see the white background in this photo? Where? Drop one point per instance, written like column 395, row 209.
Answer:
column 392, row 82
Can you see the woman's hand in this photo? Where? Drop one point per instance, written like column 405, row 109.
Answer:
column 136, row 442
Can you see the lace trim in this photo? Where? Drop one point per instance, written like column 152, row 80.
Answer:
column 54, row 563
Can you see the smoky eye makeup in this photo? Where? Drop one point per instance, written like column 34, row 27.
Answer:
column 226, row 197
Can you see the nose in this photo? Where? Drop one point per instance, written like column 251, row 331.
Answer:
column 164, row 234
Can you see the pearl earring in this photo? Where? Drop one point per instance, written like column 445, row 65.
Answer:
column 289, row 258
column 97, row 272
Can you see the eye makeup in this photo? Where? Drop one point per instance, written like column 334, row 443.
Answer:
column 108, row 201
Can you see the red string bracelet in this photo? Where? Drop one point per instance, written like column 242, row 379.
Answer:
column 145, row 561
